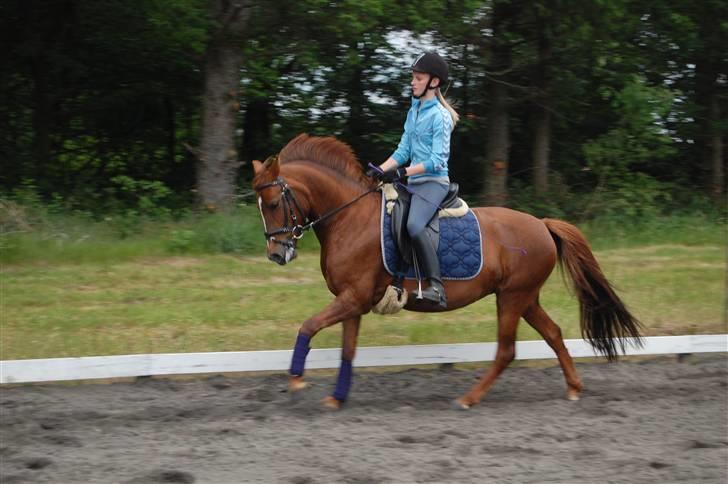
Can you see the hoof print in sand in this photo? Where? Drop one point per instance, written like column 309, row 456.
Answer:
column 700, row 444
column 63, row 440
column 164, row 477
column 261, row 395
column 302, row 480
column 219, row 382
column 38, row 463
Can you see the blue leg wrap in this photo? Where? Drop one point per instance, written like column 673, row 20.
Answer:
column 300, row 351
column 343, row 383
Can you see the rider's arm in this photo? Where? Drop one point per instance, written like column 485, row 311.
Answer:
column 440, row 152
column 392, row 164
column 403, row 153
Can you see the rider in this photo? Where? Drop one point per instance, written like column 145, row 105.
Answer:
column 425, row 144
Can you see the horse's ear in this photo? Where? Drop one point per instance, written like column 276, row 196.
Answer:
column 258, row 167
column 273, row 166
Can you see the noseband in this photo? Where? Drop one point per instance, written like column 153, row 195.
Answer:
column 289, row 202
column 288, row 197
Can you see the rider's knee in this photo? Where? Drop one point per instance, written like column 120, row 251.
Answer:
column 414, row 228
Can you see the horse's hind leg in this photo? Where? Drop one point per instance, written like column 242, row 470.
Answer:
column 541, row 322
column 511, row 305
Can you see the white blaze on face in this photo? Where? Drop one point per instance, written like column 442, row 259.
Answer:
column 290, row 254
column 265, row 227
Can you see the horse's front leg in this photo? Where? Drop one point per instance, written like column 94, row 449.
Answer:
column 348, row 350
column 342, row 308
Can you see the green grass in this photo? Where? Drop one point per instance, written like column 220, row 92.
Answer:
column 691, row 230
column 73, row 286
column 224, row 302
column 32, row 238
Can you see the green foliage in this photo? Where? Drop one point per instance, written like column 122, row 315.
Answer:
column 633, row 200
column 96, row 93
column 144, row 198
column 638, row 136
column 238, row 232
column 33, row 231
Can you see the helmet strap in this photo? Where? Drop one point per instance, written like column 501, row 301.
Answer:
column 429, row 84
column 429, row 87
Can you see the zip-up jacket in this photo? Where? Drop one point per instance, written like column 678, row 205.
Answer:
column 426, row 140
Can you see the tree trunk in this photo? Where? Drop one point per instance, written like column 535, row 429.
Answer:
column 498, row 117
column 708, row 71
column 171, row 127
column 218, row 165
column 542, row 117
column 717, row 162
column 541, row 150
column 42, row 116
column 498, row 146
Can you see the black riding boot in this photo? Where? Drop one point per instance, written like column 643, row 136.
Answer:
column 430, row 265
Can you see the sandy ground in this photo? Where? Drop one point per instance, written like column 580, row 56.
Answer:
column 656, row 421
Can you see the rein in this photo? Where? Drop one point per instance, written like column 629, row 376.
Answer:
column 297, row 230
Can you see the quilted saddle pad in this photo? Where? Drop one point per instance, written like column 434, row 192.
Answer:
column 460, row 251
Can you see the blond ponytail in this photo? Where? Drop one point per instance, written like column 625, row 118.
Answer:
column 453, row 114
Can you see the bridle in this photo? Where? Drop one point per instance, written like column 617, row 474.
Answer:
column 289, row 202
column 290, row 205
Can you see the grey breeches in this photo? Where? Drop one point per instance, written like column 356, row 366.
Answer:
column 426, row 198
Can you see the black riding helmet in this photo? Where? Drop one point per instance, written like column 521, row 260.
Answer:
column 431, row 63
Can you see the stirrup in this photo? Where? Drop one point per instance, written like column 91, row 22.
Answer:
column 434, row 295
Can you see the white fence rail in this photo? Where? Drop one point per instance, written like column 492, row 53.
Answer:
column 92, row 367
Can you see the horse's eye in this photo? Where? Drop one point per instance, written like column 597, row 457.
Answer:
column 274, row 205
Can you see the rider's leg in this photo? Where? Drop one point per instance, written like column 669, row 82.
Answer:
column 425, row 202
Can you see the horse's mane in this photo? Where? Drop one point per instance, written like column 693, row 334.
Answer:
column 326, row 151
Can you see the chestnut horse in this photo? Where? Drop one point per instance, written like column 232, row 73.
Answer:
column 317, row 182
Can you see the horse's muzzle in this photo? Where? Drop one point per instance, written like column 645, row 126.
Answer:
column 283, row 258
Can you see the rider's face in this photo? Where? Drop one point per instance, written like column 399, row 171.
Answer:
column 419, row 83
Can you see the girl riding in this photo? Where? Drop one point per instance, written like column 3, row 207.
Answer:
column 425, row 143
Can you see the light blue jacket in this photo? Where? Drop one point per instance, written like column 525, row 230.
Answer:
column 426, row 140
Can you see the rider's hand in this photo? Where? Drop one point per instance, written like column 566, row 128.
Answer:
column 394, row 175
column 373, row 171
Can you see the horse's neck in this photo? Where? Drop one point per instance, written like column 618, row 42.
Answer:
column 327, row 193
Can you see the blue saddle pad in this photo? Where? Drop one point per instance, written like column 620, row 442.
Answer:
column 460, row 251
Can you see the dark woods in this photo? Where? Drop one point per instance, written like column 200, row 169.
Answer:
column 623, row 100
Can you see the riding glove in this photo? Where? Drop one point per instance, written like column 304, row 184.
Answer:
column 373, row 171
column 394, row 175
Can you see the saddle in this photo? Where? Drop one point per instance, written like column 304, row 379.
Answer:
column 400, row 211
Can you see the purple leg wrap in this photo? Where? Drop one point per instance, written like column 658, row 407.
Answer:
column 343, row 383
column 300, row 351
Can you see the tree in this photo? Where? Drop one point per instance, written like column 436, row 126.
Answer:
column 543, row 103
column 99, row 89
column 217, row 170
column 498, row 132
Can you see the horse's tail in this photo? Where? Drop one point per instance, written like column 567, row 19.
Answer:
column 604, row 319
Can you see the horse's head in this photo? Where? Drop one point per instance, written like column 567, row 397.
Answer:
column 283, row 217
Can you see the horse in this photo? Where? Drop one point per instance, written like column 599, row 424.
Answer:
column 318, row 183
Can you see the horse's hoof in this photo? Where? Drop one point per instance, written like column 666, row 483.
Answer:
column 331, row 403
column 458, row 404
column 573, row 395
column 296, row 384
